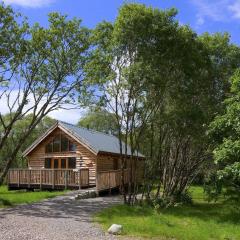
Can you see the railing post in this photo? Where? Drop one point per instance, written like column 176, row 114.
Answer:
column 40, row 179
column 53, row 178
column 29, row 178
column 109, row 184
column 79, row 174
column 88, row 178
column 97, row 180
column 66, row 178
column 8, row 178
column 18, row 171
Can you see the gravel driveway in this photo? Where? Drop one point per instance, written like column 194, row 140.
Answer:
column 59, row 218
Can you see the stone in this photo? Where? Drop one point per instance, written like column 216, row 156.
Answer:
column 115, row 229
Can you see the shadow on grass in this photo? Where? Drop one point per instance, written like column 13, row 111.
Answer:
column 4, row 202
column 13, row 192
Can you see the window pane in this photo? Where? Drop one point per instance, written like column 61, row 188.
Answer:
column 63, row 163
column 47, row 163
column 71, row 162
column 55, row 163
column 56, row 144
column 64, row 144
column 72, row 146
column 48, row 148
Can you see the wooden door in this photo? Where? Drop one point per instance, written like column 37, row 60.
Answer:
column 59, row 163
column 64, row 163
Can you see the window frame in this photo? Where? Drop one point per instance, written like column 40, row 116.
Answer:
column 56, row 141
column 61, row 136
column 50, row 163
column 61, row 144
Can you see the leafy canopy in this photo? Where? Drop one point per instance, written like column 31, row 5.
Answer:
column 225, row 133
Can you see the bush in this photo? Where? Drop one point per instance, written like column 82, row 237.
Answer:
column 184, row 198
column 175, row 200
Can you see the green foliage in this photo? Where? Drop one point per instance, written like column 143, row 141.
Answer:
column 18, row 129
column 12, row 198
column 41, row 69
column 224, row 57
column 99, row 120
column 225, row 132
column 13, row 45
column 165, row 84
column 200, row 221
column 159, row 204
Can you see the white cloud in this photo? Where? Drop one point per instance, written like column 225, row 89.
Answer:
column 62, row 114
column 216, row 10
column 235, row 9
column 213, row 10
column 70, row 116
column 29, row 3
column 200, row 20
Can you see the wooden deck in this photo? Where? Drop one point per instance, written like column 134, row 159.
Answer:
column 48, row 179
column 63, row 179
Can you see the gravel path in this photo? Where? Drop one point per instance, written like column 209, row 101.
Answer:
column 60, row 218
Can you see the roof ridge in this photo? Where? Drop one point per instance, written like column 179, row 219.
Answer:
column 90, row 130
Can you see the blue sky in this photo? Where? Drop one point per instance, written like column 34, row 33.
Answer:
column 202, row 15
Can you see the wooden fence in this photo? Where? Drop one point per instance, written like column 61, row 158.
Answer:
column 48, row 178
column 111, row 179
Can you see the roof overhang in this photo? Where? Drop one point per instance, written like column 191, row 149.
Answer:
column 140, row 157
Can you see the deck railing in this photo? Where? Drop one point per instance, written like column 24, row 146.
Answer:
column 48, row 178
column 64, row 179
column 111, row 179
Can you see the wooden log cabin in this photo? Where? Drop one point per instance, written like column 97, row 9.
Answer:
column 71, row 157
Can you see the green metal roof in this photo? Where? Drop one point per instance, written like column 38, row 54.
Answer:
column 98, row 141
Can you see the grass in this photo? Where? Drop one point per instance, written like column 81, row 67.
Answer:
column 200, row 221
column 12, row 198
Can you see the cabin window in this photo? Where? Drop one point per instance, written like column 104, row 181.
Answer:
column 71, row 162
column 49, row 147
column 63, row 163
column 55, row 163
column 56, row 144
column 60, row 144
column 72, row 146
column 47, row 163
column 64, row 144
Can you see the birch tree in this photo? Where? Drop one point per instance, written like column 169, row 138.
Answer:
column 128, row 72
column 41, row 68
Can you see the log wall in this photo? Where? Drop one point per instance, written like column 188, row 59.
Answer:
column 84, row 157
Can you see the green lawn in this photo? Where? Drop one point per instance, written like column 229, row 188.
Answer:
column 11, row 198
column 201, row 221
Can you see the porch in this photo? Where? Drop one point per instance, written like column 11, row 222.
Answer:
column 57, row 179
